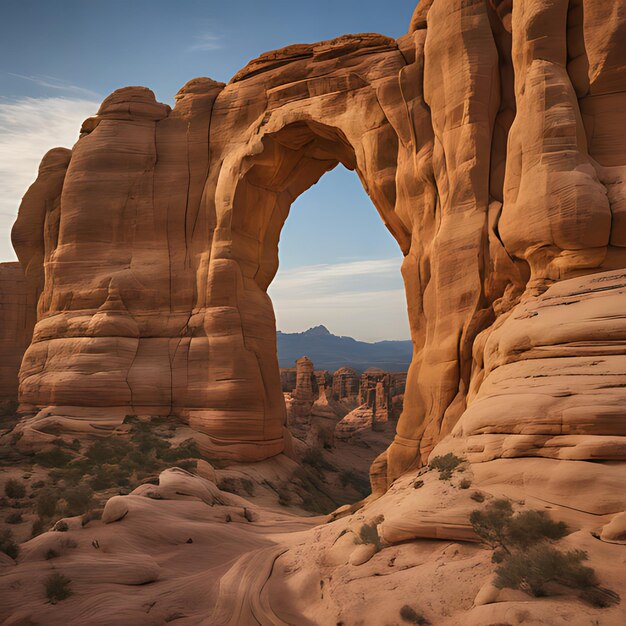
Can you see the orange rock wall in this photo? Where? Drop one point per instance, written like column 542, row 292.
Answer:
column 17, row 318
column 491, row 141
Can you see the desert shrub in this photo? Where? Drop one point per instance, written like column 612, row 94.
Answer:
column 247, row 485
column 61, row 527
column 445, row 465
column 315, row 458
column 527, row 561
column 77, row 499
column 500, row 529
column 530, row 570
column 14, row 489
column 105, row 477
column 110, row 450
column 47, row 502
column 410, row 615
column 491, row 524
column 51, row 554
column 55, row 457
column 57, row 587
column 14, row 518
column 8, row 545
column 477, row 497
column 466, row 483
column 38, row 484
column 236, row 485
column 528, row 527
column 228, row 484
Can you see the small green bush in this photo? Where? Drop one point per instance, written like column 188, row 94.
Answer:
column 532, row 569
column 466, row 483
column 109, row 450
column 78, row 500
column 8, row 545
column 14, row 518
column 527, row 561
column 445, row 465
column 247, row 485
column 57, row 587
column 56, row 457
column 500, row 529
column 14, row 489
column 228, row 484
column 105, row 477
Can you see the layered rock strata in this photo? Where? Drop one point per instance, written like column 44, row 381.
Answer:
column 17, row 318
column 491, row 141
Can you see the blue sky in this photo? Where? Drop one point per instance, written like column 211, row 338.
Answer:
column 59, row 59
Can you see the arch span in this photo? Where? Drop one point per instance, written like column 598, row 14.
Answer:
column 152, row 242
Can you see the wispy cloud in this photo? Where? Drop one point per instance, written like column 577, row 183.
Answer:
column 206, row 42
column 363, row 299
column 29, row 127
column 50, row 82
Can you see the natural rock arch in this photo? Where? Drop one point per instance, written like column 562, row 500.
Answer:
column 254, row 192
column 151, row 278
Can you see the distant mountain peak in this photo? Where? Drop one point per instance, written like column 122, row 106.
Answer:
column 330, row 352
column 317, row 331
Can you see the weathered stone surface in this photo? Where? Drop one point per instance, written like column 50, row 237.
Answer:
column 491, row 141
column 17, row 318
column 345, row 384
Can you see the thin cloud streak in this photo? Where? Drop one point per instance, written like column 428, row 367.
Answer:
column 29, row 127
column 206, row 42
column 51, row 82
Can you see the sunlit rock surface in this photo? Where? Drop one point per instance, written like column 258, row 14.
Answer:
column 491, row 141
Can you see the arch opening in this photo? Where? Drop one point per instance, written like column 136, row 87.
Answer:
column 282, row 167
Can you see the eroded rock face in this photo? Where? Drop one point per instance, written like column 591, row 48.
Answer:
column 491, row 141
column 17, row 318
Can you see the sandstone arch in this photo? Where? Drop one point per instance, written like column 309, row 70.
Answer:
column 483, row 141
column 254, row 192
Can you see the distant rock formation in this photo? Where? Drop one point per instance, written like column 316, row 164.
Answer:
column 490, row 139
column 321, row 405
